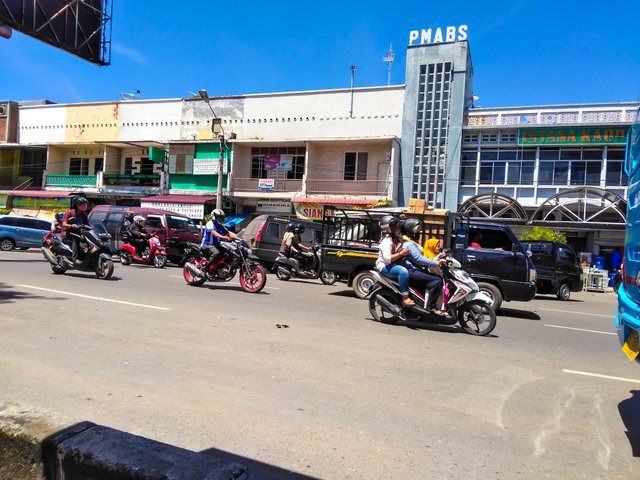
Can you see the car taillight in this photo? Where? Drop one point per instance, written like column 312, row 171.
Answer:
column 532, row 275
column 259, row 234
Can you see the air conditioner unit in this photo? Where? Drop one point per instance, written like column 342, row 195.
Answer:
column 227, row 204
column 3, row 109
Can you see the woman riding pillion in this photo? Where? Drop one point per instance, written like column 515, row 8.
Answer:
column 416, row 263
column 390, row 253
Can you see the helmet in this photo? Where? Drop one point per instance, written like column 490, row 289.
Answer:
column 218, row 215
column 59, row 216
column 300, row 228
column 291, row 227
column 410, row 227
column 389, row 223
column 77, row 201
column 139, row 219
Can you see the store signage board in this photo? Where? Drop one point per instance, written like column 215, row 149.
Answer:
column 191, row 210
column 266, row 183
column 273, row 207
column 572, row 136
column 207, row 166
column 431, row 36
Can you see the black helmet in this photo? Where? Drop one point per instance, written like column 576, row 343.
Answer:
column 77, row 201
column 291, row 227
column 59, row 216
column 411, row 227
column 300, row 228
column 389, row 223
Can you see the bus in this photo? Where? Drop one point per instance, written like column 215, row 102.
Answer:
column 628, row 314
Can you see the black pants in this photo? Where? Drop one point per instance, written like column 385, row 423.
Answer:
column 140, row 245
column 212, row 253
column 425, row 281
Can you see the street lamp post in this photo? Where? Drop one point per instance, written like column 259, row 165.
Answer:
column 216, row 121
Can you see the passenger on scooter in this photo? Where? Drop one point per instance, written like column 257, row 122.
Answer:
column 285, row 245
column 390, row 253
column 70, row 232
column 214, row 233
column 138, row 234
column 302, row 251
column 417, row 263
column 56, row 228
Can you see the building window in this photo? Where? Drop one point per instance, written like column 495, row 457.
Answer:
column 489, row 138
column 520, row 168
column 470, row 138
column 98, row 165
column 146, row 166
column 181, row 163
column 616, row 176
column 355, row 165
column 79, row 166
column 552, row 171
column 128, row 165
column 508, row 137
column 468, row 167
column 492, row 170
column 289, row 160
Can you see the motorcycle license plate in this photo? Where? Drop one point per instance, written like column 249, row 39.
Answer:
column 631, row 346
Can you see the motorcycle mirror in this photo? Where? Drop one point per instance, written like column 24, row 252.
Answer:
column 71, row 220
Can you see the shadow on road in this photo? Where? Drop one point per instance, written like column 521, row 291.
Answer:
column 556, row 299
column 630, row 414
column 414, row 324
column 344, row 293
column 226, row 286
column 522, row 314
column 9, row 295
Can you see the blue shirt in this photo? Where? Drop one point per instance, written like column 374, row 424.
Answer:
column 415, row 259
column 208, row 238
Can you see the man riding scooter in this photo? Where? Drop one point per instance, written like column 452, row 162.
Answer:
column 70, row 232
column 138, row 234
column 302, row 252
column 215, row 232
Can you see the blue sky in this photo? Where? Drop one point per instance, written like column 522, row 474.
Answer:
column 524, row 52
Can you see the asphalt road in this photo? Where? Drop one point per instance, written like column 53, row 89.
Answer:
column 335, row 395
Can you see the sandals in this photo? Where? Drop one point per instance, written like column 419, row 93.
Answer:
column 407, row 302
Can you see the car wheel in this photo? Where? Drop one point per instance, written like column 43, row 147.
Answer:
column 6, row 244
column 494, row 293
column 362, row 283
column 328, row 277
column 564, row 292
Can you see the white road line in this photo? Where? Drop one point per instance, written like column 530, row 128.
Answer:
column 95, row 298
column 578, row 313
column 608, row 377
column 176, row 276
column 580, row 329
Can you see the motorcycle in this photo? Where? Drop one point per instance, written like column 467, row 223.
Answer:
column 289, row 267
column 94, row 253
column 467, row 305
column 155, row 253
column 236, row 255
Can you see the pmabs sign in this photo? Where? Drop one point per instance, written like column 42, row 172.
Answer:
column 430, row 36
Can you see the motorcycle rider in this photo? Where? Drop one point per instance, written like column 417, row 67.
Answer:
column 215, row 231
column 430, row 283
column 70, row 232
column 285, row 245
column 138, row 234
column 56, row 228
column 390, row 253
column 302, row 252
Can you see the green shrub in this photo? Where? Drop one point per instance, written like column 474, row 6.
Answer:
column 544, row 234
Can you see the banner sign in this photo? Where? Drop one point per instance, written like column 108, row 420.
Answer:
column 278, row 162
column 429, row 36
column 62, row 202
column 208, row 166
column 191, row 210
column 572, row 136
column 273, row 207
column 266, row 183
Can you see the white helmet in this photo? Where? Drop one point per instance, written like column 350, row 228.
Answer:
column 138, row 219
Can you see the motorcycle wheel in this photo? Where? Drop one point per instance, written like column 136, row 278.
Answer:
column 188, row 277
column 362, row 283
column 282, row 275
column 477, row 318
column 378, row 312
column 328, row 277
column 159, row 261
column 125, row 258
column 104, row 269
column 254, row 280
column 56, row 269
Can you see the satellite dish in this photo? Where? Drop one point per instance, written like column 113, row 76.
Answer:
column 131, row 96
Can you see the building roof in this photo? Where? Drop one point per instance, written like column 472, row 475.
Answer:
column 37, row 193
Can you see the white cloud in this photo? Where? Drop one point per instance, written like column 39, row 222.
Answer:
column 129, row 53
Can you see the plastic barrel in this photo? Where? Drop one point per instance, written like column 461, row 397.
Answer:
column 616, row 260
column 599, row 262
column 612, row 279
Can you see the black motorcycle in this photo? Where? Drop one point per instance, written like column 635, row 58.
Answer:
column 93, row 255
column 289, row 267
column 236, row 255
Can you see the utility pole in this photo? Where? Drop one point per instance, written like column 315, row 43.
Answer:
column 216, row 121
column 389, row 59
column 352, row 67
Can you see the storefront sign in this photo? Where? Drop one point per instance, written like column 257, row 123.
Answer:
column 273, row 207
column 572, row 136
column 191, row 210
column 208, row 166
column 266, row 183
column 278, row 162
column 26, row 202
column 430, row 36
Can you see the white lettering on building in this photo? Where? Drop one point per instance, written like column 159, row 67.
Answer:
column 428, row 36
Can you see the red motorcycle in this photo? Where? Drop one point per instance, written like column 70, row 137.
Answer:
column 154, row 254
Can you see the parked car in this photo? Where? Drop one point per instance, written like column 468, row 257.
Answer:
column 264, row 234
column 172, row 229
column 557, row 265
column 22, row 232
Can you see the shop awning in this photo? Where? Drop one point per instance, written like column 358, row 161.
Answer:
column 37, row 193
column 335, row 200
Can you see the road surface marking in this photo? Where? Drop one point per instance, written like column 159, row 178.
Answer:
column 587, row 374
column 578, row 313
column 176, row 276
column 580, row 329
column 94, row 298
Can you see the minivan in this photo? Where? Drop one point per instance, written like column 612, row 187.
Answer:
column 264, row 235
column 22, row 232
column 557, row 265
column 171, row 228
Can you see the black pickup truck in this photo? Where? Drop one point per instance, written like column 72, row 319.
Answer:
column 557, row 265
column 501, row 267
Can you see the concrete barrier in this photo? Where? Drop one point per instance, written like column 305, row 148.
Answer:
column 37, row 445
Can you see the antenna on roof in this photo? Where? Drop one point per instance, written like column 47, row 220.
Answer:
column 389, row 59
column 131, row 96
column 352, row 67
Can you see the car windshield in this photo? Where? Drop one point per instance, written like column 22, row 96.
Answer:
column 181, row 224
